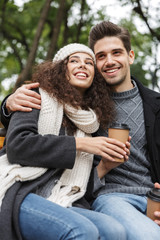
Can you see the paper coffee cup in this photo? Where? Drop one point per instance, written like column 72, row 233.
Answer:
column 119, row 131
column 153, row 203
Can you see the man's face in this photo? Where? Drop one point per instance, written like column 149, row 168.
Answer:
column 113, row 62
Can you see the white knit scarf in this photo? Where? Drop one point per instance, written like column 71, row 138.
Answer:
column 72, row 184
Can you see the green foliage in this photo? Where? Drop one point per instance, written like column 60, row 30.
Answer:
column 18, row 26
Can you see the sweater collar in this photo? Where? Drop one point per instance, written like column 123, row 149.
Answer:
column 126, row 94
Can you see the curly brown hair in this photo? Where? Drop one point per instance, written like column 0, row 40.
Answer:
column 52, row 78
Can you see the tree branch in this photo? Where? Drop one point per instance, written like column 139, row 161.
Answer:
column 138, row 10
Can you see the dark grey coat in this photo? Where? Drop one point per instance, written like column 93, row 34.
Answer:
column 25, row 146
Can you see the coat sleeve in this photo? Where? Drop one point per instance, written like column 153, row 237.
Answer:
column 25, row 146
column 5, row 116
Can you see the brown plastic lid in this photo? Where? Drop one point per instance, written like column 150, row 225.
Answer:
column 119, row 126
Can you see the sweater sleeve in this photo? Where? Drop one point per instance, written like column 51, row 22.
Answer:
column 25, row 146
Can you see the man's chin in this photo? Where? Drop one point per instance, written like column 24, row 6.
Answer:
column 114, row 82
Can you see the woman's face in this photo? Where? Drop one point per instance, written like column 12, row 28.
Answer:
column 80, row 71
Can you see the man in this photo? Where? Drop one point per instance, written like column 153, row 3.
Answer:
column 120, row 191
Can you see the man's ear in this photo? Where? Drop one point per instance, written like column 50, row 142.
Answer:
column 131, row 57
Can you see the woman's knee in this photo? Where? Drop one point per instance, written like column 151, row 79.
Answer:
column 53, row 221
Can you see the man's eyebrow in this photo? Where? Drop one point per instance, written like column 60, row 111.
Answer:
column 118, row 49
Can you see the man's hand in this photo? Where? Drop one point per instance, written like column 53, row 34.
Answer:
column 24, row 99
column 107, row 164
column 157, row 213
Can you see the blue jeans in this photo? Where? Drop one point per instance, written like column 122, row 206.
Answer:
column 41, row 219
column 130, row 210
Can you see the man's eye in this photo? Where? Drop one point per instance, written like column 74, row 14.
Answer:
column 100, row 56
column 116, row 53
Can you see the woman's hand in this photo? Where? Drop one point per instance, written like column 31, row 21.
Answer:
column 107, row 148
column 24, row 99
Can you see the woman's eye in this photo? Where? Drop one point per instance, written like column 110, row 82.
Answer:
column 73, row 60
column 90, row 63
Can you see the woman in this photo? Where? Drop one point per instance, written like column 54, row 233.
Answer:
column 55, row 138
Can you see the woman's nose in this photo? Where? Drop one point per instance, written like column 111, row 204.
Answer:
column 82, row 64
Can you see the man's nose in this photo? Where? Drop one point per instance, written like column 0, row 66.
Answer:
column 109, row 60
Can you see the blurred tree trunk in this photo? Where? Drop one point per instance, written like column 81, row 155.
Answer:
column 27, row 71
column 81, row 23
column 66, row 28
column 56, row 30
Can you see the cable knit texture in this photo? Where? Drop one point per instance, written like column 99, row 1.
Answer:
column 72, row 184
column 73, row 48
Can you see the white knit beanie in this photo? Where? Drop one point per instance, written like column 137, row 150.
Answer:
column 71, row 48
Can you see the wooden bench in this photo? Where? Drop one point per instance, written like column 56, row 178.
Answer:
column 2, row 136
